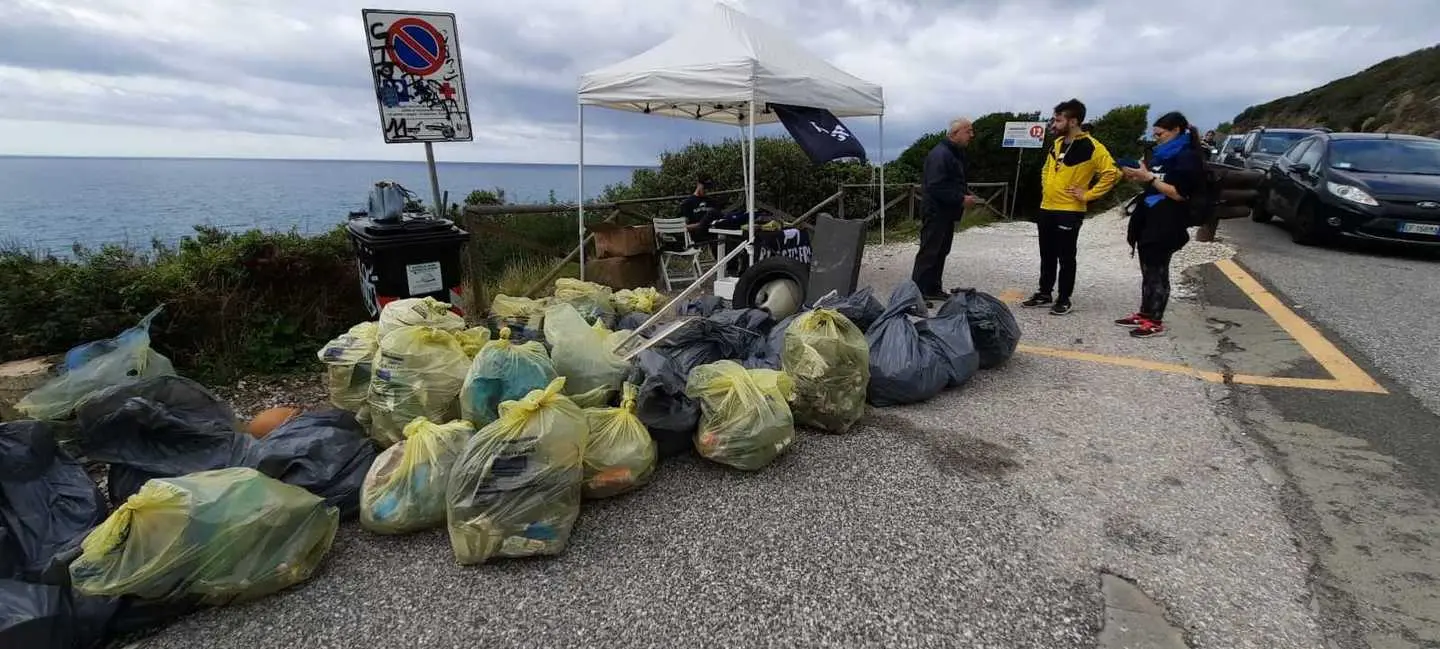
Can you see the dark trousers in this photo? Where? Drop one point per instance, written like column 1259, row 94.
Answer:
column 937, row 235
column 1154, row 282
column 1059, row 235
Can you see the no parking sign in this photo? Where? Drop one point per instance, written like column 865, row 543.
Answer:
column 419, row 83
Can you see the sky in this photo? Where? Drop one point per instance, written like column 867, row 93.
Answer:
column 290, row 78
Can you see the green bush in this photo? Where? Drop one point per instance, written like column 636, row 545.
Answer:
column 784, row 176
column 235, row 303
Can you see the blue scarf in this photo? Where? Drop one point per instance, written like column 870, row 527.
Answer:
column 1163, row 156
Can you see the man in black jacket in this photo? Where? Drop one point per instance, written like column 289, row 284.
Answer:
column 946, row 197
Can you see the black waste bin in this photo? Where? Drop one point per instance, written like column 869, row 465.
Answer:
column 412, row 257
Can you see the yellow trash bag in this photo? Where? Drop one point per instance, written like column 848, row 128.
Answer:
column 503, row 371
column 225, row 536
column 419, row 312
column 641, row 300
column 619, row 454
column 592, row 301
column 348, row 369
column 583, row 354
column 829, row 360
column 745, row 419
column 418, row 373
column 515, row 491
column 404, row 491
column 473, row 340
column 524, row 316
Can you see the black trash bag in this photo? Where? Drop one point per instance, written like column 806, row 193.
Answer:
column 757, row 321
column 163, row 427
column 703, row 306
column 48, row 503
column 10, row 559
column 663, row 370
column 952, row 332
column 326, row 453
column 860, row 307
column 765, row 355
column 633, row 322
column 908, row 362
column 992, row 325
column 48, row 616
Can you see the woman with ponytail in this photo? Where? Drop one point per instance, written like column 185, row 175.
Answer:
column 1176, row 172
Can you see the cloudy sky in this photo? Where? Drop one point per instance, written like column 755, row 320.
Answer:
column 289, row 78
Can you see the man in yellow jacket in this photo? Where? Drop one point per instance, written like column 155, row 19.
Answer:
column 1074, row 162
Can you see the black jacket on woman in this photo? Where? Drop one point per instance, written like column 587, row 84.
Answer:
column 1163, row 225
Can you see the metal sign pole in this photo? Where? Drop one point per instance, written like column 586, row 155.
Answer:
column 434, row 181
column 1015, row 189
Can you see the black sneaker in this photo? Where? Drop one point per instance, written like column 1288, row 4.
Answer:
column 1061, row 308
column 1038, row 299
column 936, row 297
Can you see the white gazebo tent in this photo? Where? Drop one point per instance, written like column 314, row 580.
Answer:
column 727, row 67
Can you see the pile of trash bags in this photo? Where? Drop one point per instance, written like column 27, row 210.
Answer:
column 191, row 511
column 498, row 433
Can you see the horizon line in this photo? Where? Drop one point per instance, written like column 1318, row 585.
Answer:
column 276, row 159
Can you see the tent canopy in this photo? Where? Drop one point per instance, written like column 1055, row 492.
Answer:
column 720, row 62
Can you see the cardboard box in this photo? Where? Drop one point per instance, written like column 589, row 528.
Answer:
column 623, row 272
column 615, row 240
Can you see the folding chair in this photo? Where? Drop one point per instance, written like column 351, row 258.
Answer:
column 673, row 229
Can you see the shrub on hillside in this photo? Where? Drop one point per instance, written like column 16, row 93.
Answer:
column 784, row 176
column 235, row 302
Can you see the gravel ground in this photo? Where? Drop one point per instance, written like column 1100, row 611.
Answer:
column 251, row 395
column 982, row 518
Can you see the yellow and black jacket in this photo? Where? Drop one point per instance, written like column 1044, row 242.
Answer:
column 1083, row 161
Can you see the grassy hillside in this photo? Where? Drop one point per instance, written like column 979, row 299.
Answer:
column 1399, row 95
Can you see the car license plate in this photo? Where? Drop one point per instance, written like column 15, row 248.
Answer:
column 1420, row 228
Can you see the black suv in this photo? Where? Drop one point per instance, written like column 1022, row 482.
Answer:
column 1262, row 146
column 1361, row 185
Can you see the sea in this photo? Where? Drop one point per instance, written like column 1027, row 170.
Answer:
column 49, row 204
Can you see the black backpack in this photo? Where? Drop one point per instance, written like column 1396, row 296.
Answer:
column 1203, row 201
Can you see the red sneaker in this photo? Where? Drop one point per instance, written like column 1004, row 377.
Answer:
column 1131, row 321
column 1148, row 329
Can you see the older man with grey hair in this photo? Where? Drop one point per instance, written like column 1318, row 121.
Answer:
column 946, row 195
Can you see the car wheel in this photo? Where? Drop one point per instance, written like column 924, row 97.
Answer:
column 1260, row 213
column 774, row 284
column 1305, row 228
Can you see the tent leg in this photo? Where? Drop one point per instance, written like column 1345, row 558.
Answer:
column 882, row 179
column 750, row 181
column 580, row 189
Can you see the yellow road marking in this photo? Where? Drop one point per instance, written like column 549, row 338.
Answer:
column 1346, row 375
column 1344, row 370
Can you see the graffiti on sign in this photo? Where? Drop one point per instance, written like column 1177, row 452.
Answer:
column 419, row 83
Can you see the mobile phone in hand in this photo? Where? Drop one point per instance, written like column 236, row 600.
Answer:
column 1129, row 163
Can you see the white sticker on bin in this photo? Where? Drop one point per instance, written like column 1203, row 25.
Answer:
column 424, row 278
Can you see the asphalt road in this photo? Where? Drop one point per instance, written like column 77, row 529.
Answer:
column 1361, row 472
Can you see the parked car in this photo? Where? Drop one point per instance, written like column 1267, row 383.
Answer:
column 1226, row 153
column 1263, row 145
column 1360, row 185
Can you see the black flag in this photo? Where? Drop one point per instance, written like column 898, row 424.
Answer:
column 819, row 133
